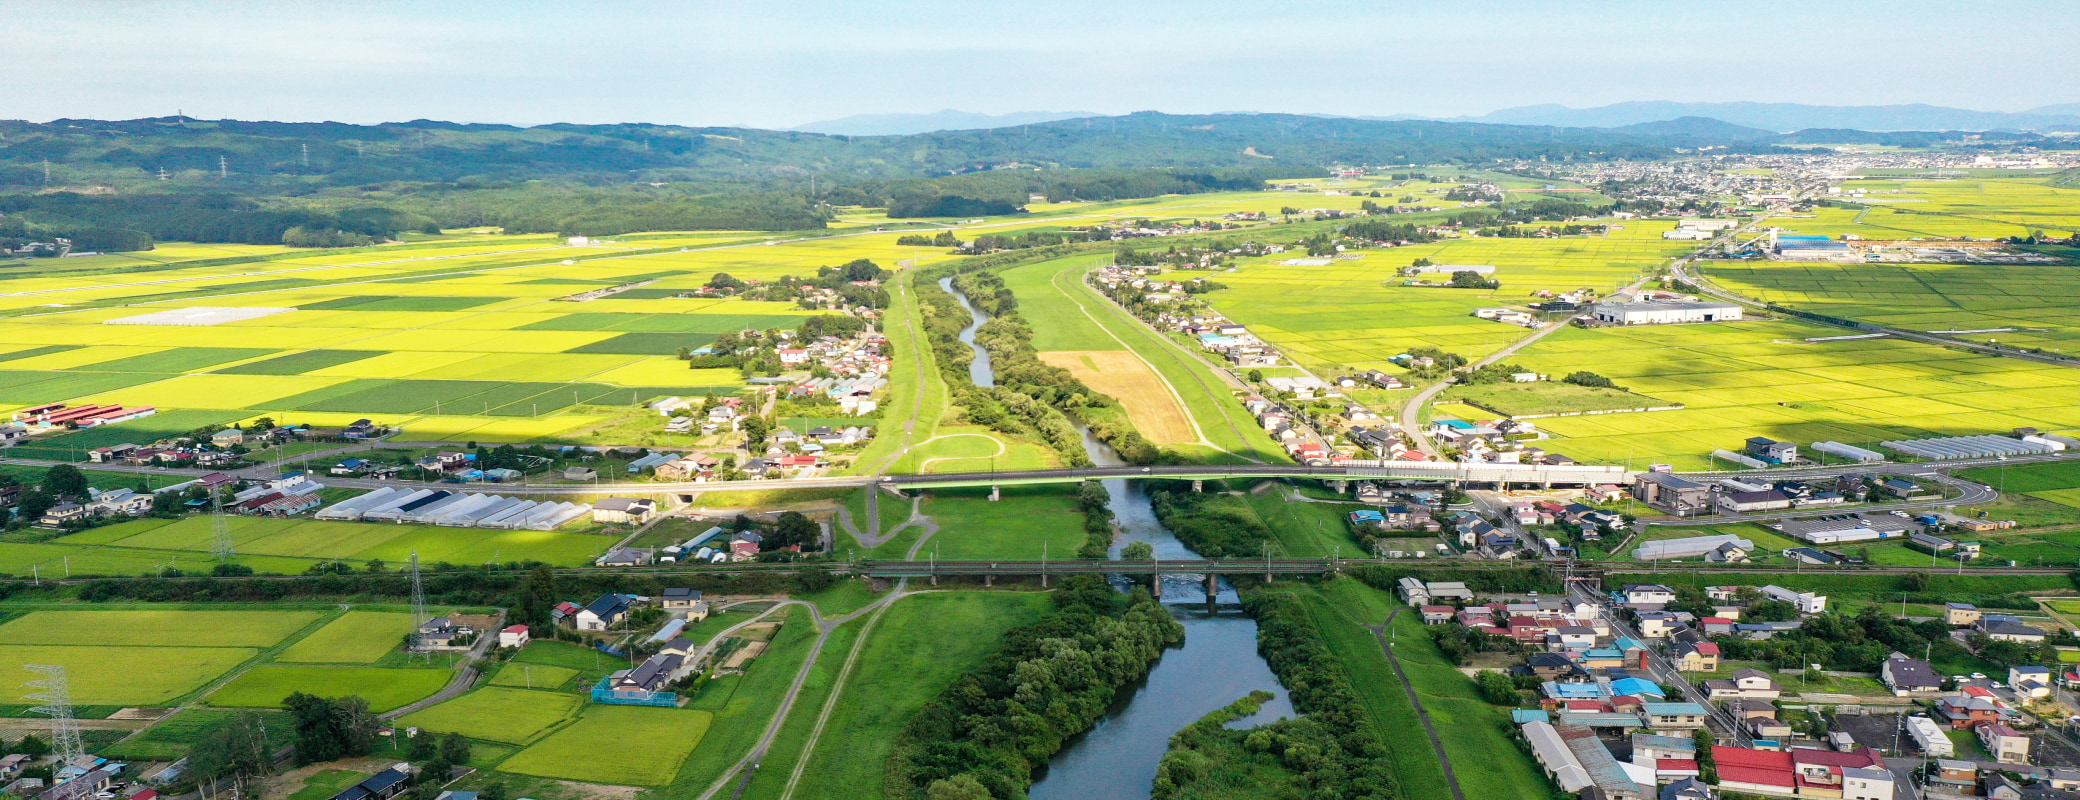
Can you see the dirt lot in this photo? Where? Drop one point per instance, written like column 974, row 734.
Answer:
column 1123, row 375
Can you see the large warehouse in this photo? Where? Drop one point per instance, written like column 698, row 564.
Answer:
column 1664, row 313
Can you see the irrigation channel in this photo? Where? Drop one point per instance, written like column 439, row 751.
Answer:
column 1217, row 664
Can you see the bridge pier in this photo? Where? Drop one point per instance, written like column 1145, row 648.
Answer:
column 989, row 580
column 1340, row 487
column 995, row 493
column 1198, row 485
column 1213, row 586
column 1156, row 586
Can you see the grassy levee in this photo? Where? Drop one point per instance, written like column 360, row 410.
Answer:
column 801, row 719
column 1475, row 734
column 743, row 705
column 1233, row 433
column 1012, row 528
column 916, row 392
column 908, row 660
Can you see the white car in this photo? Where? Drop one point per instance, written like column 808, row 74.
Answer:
column 1978, row 676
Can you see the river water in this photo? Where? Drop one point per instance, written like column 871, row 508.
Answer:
column 980, row 370
column 1217, row 664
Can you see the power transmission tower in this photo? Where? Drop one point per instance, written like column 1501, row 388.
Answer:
column 306, row 156
column 220, row 528
column 418, row 602
column 162, row 173
column 56, row 703
column 223, row 168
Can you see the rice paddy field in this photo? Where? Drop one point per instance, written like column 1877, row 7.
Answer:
column 626, row 745
column 357, row 637
column 141, row 656
column 499, row 714
column 284, row 545
column 1764, row 378
column 1929, row 208
column 1355, row 313
column 383, row 688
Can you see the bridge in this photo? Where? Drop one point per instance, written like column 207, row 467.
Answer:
column 1350, row 470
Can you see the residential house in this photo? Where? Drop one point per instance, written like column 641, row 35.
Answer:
column 745, row 546
column 2030, row 682
column 1958, row 777
column 625, row 557
column 604, row 612
column 1648, row 594
column 1806, row 602
column 1657, row 624
column 513, row 636
column 1906, row 676
column 227, row 437
column 1751, row 502
column 1695, row 657
column 1770, row 451
column 1661, row 717
column 1686, row 789
column 1969, row 709
column 1747, row 683
column 565, row 613
column 679, row 599
column 2005, row 628
column 1961, row 615
column 1673, row 495
column 350, row 466
column 2003, row 743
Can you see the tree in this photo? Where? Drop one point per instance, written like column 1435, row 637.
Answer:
column 794, row 529
column 958, row 787
column 65, row 480
column 1137, row 551
column 1707, row 769
column 331, row 729
column 1497, row 688
column 755, row 430
column 33, row 745
column 1591, row 379
column 725, row 282
column 1256, row 376
column 238, row 749
column 455, row 748
column 538, row 596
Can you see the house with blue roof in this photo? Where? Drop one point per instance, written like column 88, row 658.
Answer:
column 1663, row 717
column 1637, row 687
column 604, row 612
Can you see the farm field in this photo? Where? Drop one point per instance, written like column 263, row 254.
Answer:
column 383, row 688
column 533, row 676
column 1148, row 401
column 105, row 676
column 290, row 545
column 1014, row 527
column 357, row 637
column 1764, row 378
column 499, row 714
column 152, row 628
column 1354, row 313
column 626, row 745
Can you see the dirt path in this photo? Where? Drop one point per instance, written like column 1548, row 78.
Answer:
column 1436, row 745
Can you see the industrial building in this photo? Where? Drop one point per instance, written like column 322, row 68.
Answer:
column 1664, row 313
column 1841, row 528
column 1851, row 452
column 1815, row 248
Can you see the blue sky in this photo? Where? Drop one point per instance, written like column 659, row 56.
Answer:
column 777, row 64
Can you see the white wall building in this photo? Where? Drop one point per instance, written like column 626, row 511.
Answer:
column 1664, row 313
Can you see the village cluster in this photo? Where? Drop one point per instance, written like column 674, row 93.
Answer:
column 1629, row 691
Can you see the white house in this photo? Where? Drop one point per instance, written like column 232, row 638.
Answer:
column 513, row 636
column 1805, row 602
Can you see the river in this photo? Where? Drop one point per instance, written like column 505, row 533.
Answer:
column 980, row 370
column 1217, row 664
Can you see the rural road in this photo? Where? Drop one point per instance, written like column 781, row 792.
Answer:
column 1422, row 715
column 1411, row 413
column 465, row 676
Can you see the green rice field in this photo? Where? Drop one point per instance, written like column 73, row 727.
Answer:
column 286, row 545
column 356, row 637
column 498, row 714
column 384, row 689
column 627, row 745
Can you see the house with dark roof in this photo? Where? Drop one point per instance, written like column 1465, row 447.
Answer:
column 2005, row 628
column 604, row 612
column 1905, row 676
column 380, row 786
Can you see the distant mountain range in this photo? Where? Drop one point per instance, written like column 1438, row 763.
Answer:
column 942, row 120
column 1760, row 118
column 1787, row 117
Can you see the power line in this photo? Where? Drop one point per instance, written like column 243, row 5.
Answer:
column 56, row 702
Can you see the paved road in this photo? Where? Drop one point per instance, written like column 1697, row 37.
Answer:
column 465, row 675
column 1411, row 412
column 1969, row 494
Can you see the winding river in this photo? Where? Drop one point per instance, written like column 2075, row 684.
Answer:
column 1216, row 665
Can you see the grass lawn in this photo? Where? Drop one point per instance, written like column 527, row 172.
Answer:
column 909, row 659
column 972, row 527
column 499, row 714
column 1476, row 734
column 132, row 676
column 628, row 745
column 742, row 705
column 533, row 676
column 146, row 628
column 358, row 637
column 384, row 689
column 325, row 783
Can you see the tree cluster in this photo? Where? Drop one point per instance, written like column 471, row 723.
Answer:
column 1050, row 680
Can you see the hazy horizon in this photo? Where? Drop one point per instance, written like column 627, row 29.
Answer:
column 707, row 64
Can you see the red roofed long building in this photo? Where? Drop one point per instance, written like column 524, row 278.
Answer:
column 1799, row 772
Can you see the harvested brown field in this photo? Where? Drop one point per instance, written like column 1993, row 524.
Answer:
column 1148, row 400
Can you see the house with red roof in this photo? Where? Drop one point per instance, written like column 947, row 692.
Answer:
column 1803, row 772
column 513, row 636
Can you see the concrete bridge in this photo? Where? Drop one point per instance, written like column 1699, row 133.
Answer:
column 1450, row 472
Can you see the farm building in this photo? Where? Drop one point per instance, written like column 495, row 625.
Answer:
column 1814, row 248
column 1663, row 313
column 1839, row 528
column 1969, row 447
column 513, row 636
column 623, row 510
